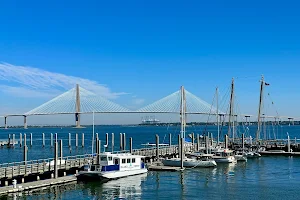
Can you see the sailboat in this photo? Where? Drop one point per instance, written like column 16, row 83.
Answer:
column 184, row 161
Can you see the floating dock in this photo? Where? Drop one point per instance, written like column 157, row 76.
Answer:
column 37, row 184
column 279, row 153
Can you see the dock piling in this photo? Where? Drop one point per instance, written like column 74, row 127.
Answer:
column 157, row 147
column 121, row 141
column 206, row 144
column 170, row 139
column 13, row 139
column 30, row 139
column 76, row 140
column 82, row 140
column 21, row 139
column 288, row 144
column 243, row 141
column 56, row 140
column 112, row 142
column 25, row 153
column 179, row 146
column 61, row 152
column 182, row 152
column 106, row 141
column 226, row 141
column 124, row 141
column 198, row 142
column 51, row 140
column 130, row 144
column 43, row 138
column 70, row 140
column 193, row 142
column 8, row 139
column 55, row 160
column 99, row 151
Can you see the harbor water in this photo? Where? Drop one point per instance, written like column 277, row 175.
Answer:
column 273, row 177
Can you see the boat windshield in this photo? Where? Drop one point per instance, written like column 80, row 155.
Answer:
column 103, row 158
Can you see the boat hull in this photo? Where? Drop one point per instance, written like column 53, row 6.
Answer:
column 109, row 175
column 241, row 158
column 189, row 163
column 230, row 159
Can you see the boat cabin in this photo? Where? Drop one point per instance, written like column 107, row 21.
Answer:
column 117, row 162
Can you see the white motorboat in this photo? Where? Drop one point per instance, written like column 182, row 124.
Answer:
column 113, row 166
column 251, row 154
column 204, row 160
column 224, row 156
column 241, row 157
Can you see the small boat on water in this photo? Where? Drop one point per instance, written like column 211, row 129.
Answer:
column 224, row 156
column 192, row 160
column 252, row 154
column 113, row 166
column 239, row 156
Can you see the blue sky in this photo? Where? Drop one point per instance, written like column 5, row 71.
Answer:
column 144, row 50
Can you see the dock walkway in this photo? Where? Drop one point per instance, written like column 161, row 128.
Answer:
column 37, row 184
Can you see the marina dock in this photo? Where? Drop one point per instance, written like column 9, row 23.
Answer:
column 37, row 184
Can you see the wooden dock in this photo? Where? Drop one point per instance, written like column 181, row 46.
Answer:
column 37, row 184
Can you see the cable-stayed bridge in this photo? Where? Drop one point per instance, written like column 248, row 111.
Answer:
column 81, row 101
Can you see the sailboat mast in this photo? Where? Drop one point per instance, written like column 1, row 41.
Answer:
column 217, row 115
column 182, row 119
column 231, row 107
column 259, row 108
column 93, row 133
column 182, row 112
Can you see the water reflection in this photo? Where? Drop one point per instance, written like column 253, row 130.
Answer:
column 124, row 188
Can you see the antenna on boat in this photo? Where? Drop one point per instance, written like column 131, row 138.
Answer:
column 93, row 133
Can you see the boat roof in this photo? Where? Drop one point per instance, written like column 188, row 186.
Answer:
column 121, row 155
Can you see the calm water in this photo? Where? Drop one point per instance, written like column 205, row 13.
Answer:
column 263, row 178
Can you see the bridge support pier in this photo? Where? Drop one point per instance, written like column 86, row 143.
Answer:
column 5, row 122
column 25, row 122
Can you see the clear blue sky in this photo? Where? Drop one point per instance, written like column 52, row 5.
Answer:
column 150, row 48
